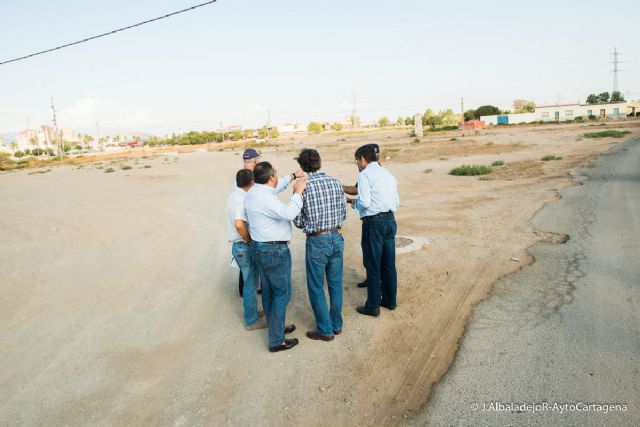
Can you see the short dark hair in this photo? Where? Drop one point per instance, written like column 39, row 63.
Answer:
column 244, row 178
column 309, row 160
column 368, row 152
column 262, row 172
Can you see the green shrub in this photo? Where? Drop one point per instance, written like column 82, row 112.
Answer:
column 471, row 170
column 125, row 167
column 497, row 163
column 579, row 118
column 549, row 157
column 147, row 166
column 607, row 134
column 592, row 117
column 18, row 154
column 427, row 170
column 453, row 139
column 109, row 170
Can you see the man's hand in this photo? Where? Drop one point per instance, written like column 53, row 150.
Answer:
column 299, row 186
column 299, row 173
column 351, row 190
column 352, row 202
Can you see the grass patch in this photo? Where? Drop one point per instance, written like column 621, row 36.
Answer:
column 393, row 150
column 444, row 158
column 471, row 170
column 485, row 178
column 549, row 157
column 147, row 166
column 427, row 170
column 498, row 163
column 109, row 170
column 607, row 134
column 453, row 139
column 125, row 167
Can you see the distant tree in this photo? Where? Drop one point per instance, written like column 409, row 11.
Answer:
column 27, row 152
column 400, row 121
column 616, row 96
column 470, row 115
column 603, row 97
column 487, row 110
column 592, row 99
column 337, row 126
column 523, row 106
column 263, row 132
column 383, row 122
column 447, row 117
column 314, row 127
column 18, row 154
column 78, row 147
column 409, row 121
column 247, row 133
column 427, row 117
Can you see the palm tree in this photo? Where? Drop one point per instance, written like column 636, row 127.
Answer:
column 14, row 146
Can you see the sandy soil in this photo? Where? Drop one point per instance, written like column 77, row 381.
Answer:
column 117, row 305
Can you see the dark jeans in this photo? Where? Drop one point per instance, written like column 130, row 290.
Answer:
column 274, row 266
column 324, row 255
column 379, row 253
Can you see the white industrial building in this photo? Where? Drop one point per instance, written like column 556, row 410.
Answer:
column 564, row 112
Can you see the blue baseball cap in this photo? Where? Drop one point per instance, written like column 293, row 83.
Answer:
column 250, row 153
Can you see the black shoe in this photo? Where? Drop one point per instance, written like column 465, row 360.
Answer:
column 286, row 345
column 363, row 284
column 289, row 328
column 368, row 311
column 337, row 331
column 389, row 307
column 315, row 335
column 260, row 291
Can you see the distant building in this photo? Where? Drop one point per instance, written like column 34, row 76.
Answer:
column 564, row 112
column 291, row 128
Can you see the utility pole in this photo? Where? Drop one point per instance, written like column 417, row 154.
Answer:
column 222, row 130
column 616, row 70
column 55, row 125
column 462, row 110
column 269, row 123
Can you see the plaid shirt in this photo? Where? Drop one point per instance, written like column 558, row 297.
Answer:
column 324, row 204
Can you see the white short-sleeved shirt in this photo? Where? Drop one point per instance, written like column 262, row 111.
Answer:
column 235, row 210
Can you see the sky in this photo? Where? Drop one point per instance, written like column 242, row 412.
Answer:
column 234, row 61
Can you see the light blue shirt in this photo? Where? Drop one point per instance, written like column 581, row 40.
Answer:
column 269, row 218
column 377, row 191
column 283, row 183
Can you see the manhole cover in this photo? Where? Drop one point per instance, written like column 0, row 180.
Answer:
column 401, row 242
column 406, row 244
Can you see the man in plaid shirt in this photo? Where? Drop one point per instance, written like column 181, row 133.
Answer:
column 323, row 211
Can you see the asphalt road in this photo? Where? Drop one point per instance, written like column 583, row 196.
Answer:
column 565, row 330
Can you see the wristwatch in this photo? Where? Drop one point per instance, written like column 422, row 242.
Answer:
column 293, row 176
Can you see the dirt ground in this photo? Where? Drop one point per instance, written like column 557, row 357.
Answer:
column 118, row 306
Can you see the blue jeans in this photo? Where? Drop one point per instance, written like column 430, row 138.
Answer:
column 274, row 265
column 379, row 253
column 242, row 254
column 324, row 256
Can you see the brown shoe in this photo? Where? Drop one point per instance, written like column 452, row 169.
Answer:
column 260, row 324
column 315, row 335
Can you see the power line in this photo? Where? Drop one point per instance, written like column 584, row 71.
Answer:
column 108, row 33
column 616, row 70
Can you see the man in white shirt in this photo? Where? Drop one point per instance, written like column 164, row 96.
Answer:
column 250, row 158
column 240, row 238
column 270, row 228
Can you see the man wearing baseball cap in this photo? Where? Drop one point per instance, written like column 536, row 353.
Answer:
column 250, row 158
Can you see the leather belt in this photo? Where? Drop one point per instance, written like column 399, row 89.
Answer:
column 319, row 233
column 279, row 242
column 377, row 215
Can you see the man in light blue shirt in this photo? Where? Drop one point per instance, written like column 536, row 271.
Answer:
column 270, row 229
column 377, row 201
column 250, row 158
